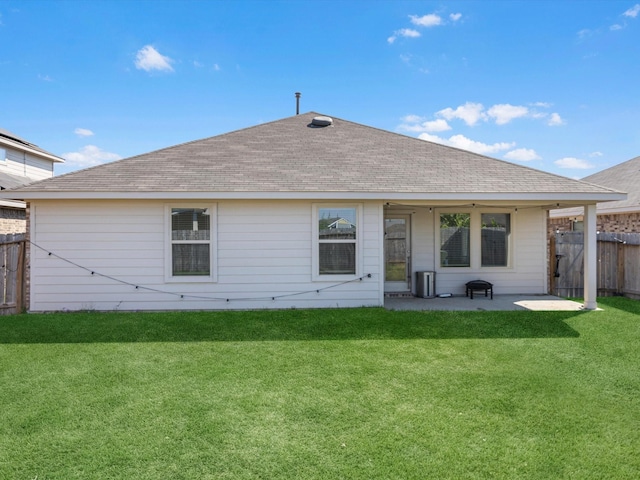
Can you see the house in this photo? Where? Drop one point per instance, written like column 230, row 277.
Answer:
column 21, row 162
column 236, row 221
column 622, row 216
column 341, row 223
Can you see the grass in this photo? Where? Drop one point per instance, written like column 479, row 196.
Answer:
column 354, row 394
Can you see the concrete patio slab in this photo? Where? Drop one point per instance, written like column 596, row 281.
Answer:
column 480, row 302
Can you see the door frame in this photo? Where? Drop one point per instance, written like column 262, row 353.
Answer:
column 397, row 286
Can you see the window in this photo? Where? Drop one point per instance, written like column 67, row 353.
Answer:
column 3, row 155
column 190, row 245
column 475, row 239
column 336, row 249
column 455, row 240
column 496, row 230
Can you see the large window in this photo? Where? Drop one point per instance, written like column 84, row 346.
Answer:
column 496, row 229
column 190, row 242
column 337, row 241
column 475, row 239
column 455, row 244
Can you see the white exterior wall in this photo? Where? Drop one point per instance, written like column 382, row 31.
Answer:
column 263, row 250
column 526, row 274
column 26, row 165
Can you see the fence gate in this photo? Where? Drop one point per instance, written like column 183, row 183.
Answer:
column 618, row 263
column 12, row 277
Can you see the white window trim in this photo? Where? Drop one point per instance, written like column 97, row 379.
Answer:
column 315, row 242
column 475, row 239
column 213, row 245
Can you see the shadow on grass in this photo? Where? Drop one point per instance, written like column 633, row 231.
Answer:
column 280, row 325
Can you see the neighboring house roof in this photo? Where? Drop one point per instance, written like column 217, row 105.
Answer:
column 11, row 140
column 8, row 181
column 290, row 158
column 341, row 223
column 625, row 177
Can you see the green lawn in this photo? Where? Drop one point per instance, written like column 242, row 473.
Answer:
column 351, row 394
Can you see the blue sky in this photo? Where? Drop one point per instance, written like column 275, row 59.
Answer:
column 548, row 84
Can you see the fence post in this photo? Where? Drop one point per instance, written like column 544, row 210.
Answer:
column 552, row 265
column 620, row 270
column 20, row 278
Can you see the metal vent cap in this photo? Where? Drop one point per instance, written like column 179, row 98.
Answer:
column 322, row 121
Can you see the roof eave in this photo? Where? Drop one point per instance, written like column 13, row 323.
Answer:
column 542, row 197
column 32, row 151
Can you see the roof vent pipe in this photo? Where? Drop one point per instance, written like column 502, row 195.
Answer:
column 298, row 94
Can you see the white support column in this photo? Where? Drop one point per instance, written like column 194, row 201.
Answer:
column 590, row 258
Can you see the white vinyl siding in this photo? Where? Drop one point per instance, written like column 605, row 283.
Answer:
column 263, row 253
column 25, row 164
column 264, row 257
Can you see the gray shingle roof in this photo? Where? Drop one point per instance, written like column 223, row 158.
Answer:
column 8, row 181
column 625, row 177
column 289, row 155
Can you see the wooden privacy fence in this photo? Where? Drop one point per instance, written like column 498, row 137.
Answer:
column 12, row 273
column 618, row 262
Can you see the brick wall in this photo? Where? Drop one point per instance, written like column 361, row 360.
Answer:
column 561, row 224
column 619, row 223
column 12, row 220
column 610, row 223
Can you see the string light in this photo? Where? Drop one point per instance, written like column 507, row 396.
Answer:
column 197, row 297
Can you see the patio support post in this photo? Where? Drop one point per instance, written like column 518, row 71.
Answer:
column 590, row 258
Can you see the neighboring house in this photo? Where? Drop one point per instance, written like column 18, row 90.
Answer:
column 341, row 223
column 238, row 221
column 622, row 216
column 21, row 163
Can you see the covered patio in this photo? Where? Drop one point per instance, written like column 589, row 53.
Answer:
column 482, row 303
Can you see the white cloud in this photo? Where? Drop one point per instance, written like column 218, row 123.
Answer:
column 595, row 154
column 470, row 113
column 89, row 156
column 148, row 59
column 416, row 124
column 412, row 119
column 455, row 17
column 460, row 141
column 216, row 67
column 403, row 32
column 555, row 120
column 438, row 125
column 83, row 132
column 504, row 113
column 522, row 155
column 633, row 11
column 542, row 104
column 616, row 27
column 574, row 163
column 465, row 143
column 585, row 33
column 45, row 78
column 408, row 32
column 431, row 20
